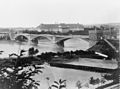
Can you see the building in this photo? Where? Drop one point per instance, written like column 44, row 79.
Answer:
column 62, row 27
column 49, row 27
column 96, row 35
column 108, row 47
column 76, row 27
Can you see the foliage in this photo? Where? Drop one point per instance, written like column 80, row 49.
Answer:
column 59, row 84
column 94, row 81
column 78, row 84
column 32, row 51
column 18, row 73
column 113, row 76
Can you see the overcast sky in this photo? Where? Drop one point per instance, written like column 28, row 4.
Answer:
column 31, row 13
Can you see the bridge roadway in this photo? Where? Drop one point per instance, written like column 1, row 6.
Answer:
column 57, row 39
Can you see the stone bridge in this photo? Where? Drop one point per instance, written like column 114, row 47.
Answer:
column 56, row 39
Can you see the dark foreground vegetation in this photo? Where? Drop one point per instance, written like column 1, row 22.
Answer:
column 18, row 73
column 69, row 55
column 111, row 76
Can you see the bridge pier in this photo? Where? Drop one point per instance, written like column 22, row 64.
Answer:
column 29, row 42
column 12, row 35
column 53, row 39
column 29, row 39
column 61, row 44
column 35, row 41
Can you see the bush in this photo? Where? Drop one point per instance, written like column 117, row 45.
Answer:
column 18, row 73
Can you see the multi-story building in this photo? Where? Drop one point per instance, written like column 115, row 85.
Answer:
column 76, row 27
column 63, row 28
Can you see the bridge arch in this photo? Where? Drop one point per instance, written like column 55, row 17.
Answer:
column 35, row 39
column 21, row 37
column 61, row 41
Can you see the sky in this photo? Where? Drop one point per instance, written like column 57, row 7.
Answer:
column 31, row 13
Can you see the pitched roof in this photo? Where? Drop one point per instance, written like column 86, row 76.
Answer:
column 113, row 43
column 107, row 46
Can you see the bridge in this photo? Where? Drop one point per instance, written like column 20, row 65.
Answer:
column 35, row 38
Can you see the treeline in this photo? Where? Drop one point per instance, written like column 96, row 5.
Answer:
column 68, row 55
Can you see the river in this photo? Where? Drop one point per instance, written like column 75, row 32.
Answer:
column 14, row 47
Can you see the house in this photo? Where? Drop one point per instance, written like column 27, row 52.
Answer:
column 108, row 47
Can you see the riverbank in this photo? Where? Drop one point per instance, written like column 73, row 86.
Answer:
column 93, row 65
column 110, row 64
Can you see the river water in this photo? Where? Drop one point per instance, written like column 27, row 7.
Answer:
column 44, row 46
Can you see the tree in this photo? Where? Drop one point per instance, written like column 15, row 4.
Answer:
column 60, row 84
column 18, row 73
column 32, row 51
column 1, row 52
column 17, row 55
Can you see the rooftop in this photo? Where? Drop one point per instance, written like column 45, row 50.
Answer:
column 61, row 25
column 107, row 46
